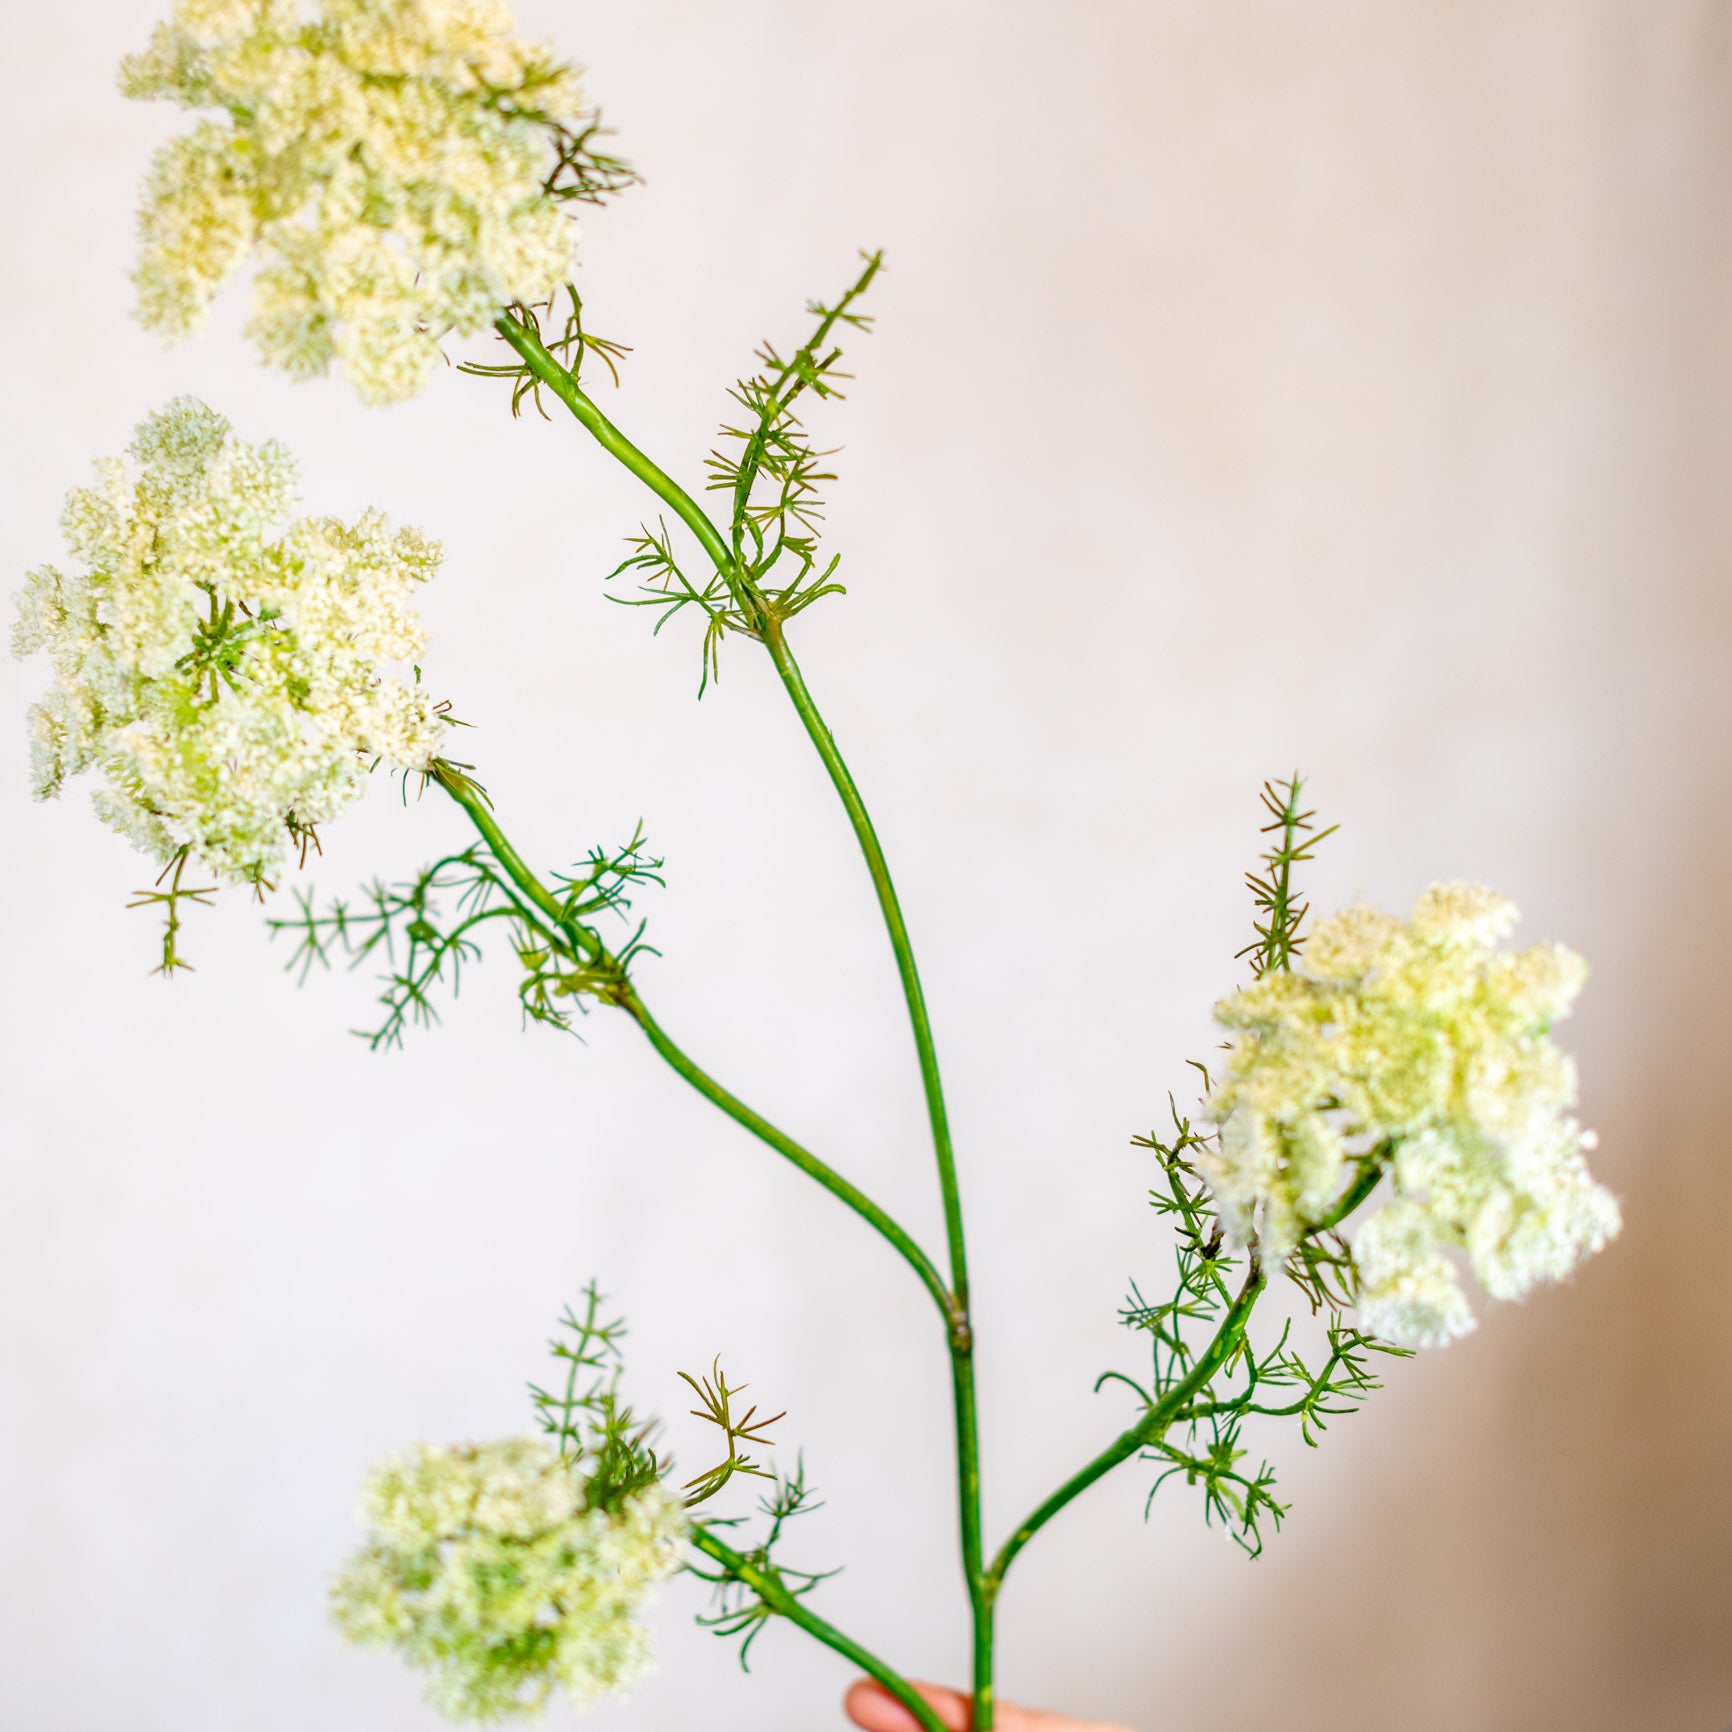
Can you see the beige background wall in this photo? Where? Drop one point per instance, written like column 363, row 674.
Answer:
column 1338, row 384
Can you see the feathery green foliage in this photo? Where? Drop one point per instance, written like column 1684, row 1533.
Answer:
column 591, row 1426
column 715, row 1407
column 169, row 902
column 1211, row 1417
column 571, row 348
column 744, row 1598
column 772, row 475
column 427, row 931
column 1278, row 941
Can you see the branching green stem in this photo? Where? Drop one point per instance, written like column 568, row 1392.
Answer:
column 1146, row 1431
column 547, row 906
column 768, row 1586
column 561, row 382
column 808, row 1163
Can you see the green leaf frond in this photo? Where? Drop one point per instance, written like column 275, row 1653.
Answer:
column 1180, row 1326
column 715, row 1407
column 1204, row 1398
column 169, row 902
column 1281, row 913
column 571, row 347
column 1240, row 1501
column 581, row 171
column 772, row 474
column 740, row 1609
column 427, row 931
column 593, row 1428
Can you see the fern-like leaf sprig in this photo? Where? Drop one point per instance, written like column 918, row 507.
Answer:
column 593, row 1428
column 740, row 1609
column 169, row 900
column 427, row 929
column 773, row 480
column 1281, row 912
column 716, row 1407
column 772, row 474
column 571, row 345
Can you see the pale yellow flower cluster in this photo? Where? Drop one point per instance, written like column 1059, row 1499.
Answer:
column 386, row 159
column 485, row 1569
column 224, row 669
column 1421, row 1041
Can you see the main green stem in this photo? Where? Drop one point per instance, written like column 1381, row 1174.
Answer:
column 959, row 1323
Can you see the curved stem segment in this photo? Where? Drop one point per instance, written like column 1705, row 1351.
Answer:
column 860, row 821
column 547, row 369
column 807, row 1162
column 566, row 388
column 1147, row 1430
column 547, row 906
column 775, row 1594
column 961, row 1329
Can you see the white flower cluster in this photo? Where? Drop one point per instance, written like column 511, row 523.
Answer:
column 226, row 679
column 388, row 159
column 1422, row 1040
column 485, row 1569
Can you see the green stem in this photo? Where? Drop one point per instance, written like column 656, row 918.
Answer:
column 566, row 388
column 860, row 821
column 775, row 1594
column 1147, row 1430
column 1361, row 1188
column 564, row 385
column 547, row 905
column 962, row 1330
column 808, row 1163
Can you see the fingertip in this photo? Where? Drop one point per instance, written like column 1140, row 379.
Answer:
column 873, row 1709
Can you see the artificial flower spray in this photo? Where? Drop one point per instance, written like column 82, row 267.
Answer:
column 1390, row 1110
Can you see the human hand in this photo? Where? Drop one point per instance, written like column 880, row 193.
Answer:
column 875, row 1710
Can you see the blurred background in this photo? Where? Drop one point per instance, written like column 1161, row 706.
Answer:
column 1340, row 386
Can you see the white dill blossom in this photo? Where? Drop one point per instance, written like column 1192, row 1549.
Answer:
column 485, row 1569
column 387, row 159
column 222, row 668
column 1421, row 1043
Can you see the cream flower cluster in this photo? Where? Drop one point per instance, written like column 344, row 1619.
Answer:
column 1422, row 1040
column 224, row 672
column 388, row 160
column 485, row 1569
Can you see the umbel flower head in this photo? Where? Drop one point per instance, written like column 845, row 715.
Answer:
column 389, row 159
column 485, row 1568
column 221, row 667
column 1421, row 1047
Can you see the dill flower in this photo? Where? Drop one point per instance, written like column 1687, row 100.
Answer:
column 1420, row 1045
column 486, row 1568
column 389, row 160
column 222, row 667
